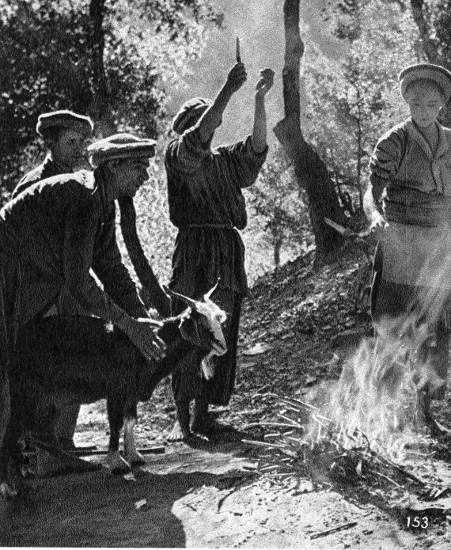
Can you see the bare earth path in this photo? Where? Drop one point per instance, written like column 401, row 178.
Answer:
column 195, row 498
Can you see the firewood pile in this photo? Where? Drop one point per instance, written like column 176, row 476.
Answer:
column 304, row 451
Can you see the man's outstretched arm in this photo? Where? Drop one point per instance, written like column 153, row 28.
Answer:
column 212, row 117
column 259, row 133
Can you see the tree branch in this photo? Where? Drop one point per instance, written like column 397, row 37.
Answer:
column 429, row 45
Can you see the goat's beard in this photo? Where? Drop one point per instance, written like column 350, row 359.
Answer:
column 208, row 366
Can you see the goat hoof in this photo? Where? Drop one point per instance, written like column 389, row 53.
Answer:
column 121, row 469
column 136, row 459
column 118, row 465
column 7, row 490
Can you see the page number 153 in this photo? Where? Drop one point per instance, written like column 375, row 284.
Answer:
column 418, row 522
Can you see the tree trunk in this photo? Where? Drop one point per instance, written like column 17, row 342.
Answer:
column 101, row 106
column 429, row 46
column 152, row 294
column 359, row 153
column 310, row 170
column 277, row 248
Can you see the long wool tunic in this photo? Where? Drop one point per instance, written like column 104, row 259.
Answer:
column 49, row 240
column 414, row 186
column 207, row 205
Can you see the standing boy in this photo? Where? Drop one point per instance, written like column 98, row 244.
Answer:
column 207, row 206
column 409, row 200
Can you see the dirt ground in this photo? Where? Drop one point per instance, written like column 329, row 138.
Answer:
column 210, row 497
column 214, row 496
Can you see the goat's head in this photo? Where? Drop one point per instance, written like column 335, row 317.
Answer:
column 201, row 323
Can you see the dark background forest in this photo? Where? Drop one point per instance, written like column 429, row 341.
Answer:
column 130, row 65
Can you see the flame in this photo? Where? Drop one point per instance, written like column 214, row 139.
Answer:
column 375, row 402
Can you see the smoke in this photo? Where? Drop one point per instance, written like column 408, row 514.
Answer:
column 259, row 25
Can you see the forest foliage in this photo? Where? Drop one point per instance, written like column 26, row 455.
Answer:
column 349, row 100
column 49, row 62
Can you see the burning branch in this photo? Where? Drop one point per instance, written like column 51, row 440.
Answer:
column 295, row 451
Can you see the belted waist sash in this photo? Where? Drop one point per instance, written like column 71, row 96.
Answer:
column 207, row 226
column 409, row 206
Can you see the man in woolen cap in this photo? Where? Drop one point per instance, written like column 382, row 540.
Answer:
column 207, row 206
column 52, row 234
column 65, row 134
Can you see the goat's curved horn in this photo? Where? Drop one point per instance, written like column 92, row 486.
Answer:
column 189, row 301
column 210, row 292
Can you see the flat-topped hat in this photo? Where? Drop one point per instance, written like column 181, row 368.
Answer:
column 65, row 119
column 426, row 71
column 120, row 146
column 189, row 113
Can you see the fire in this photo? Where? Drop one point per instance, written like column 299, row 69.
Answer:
column 375, row 401
column 365, row 427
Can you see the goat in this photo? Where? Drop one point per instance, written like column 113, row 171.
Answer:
column 84, row 359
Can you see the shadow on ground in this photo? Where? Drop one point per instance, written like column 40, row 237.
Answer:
column 99, row 509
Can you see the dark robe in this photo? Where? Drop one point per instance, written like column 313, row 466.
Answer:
column 47, row 169
column 49, row 240
column 207, row 206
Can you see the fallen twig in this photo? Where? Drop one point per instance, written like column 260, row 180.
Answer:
column 235, row 488
column 334, row 530
column 257, row 393
column 316, row 419
column 387, row 478
column 346, row 231
column 268, row 424
column 86, row 451
column 94, row 452
column 293, row 401
column 263, row 444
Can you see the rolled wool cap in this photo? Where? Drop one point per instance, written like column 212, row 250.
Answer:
column 120, row 146
column 65, row 119
column 190, row 111
column 427, row 71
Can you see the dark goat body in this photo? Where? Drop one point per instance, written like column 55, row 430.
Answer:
column 83, row 360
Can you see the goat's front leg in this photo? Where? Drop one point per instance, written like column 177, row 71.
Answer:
column 131, row 454
column 115, row 408
column 11, row 427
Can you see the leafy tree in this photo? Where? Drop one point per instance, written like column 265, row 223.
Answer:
column 352, row 102
column 279, row 207
column 156, row 233
column 433, row 19
column 111, row 60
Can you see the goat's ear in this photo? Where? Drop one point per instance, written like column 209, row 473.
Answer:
column 210, row 292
